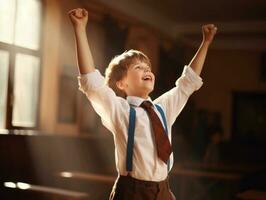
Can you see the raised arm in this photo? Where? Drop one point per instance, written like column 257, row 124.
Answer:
column 197, row 61
column 79, row 19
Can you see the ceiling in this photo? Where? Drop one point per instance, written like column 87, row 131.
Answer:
column 210, row 10
column 241, row 23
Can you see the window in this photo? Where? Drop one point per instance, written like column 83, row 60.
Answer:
column 4, row 58
column 20, row 25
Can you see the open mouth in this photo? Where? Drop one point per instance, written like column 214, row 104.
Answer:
column 147, row 78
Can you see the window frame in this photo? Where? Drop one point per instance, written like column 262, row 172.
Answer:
column 13, row 50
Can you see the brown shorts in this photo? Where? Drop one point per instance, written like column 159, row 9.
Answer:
column 129, row 188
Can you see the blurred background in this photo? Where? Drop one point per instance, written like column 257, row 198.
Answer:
column 52, row 143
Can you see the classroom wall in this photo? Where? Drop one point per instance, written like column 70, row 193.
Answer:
column 50, row 65
column 226, row 71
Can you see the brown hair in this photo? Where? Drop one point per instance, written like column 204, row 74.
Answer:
column 117, row 68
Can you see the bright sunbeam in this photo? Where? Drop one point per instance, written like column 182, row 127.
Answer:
column 23, row 186
column 10, row 184
column 66, row 174
column 19, row 185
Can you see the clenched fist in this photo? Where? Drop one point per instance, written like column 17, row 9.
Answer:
column 208, row 31
column 78, row 17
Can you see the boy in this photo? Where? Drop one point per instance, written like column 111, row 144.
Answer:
column 141, row 127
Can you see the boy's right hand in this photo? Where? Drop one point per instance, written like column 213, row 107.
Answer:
column 78, row 17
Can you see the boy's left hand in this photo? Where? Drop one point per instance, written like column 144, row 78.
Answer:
column 208, row 31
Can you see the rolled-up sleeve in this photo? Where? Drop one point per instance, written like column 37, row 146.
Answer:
column 90, row 81
column 111, row 108
column 189, row 80
column 175, row 99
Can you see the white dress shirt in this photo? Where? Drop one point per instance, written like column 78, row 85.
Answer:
column 114, row 113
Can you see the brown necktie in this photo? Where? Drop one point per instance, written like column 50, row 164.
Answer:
column 163, row 145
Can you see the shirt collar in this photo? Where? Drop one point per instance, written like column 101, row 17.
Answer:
column 136, row 101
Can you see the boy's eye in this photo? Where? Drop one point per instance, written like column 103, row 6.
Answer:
column 144, row 68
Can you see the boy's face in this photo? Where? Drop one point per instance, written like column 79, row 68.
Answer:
column 139, row 80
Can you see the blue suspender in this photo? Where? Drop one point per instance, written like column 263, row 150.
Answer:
column 131, row 133
column 130, row 139
column 163, row 117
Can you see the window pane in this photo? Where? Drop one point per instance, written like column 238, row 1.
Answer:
column 28, row 18
column 4, row 58
column 26, row 85
column 7, row 20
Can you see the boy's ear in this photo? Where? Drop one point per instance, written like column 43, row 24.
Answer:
column 120, row 85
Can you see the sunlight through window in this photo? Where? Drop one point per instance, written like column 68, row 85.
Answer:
column 4, row 61
column 26, row 90
column 27, row 28
column 7, row 20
